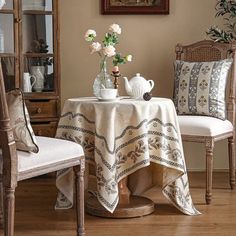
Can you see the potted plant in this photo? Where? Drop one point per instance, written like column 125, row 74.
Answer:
column 226, row 9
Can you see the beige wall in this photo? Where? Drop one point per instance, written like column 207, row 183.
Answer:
column 149, row 38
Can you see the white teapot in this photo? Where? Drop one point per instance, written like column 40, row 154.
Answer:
column 137, row 86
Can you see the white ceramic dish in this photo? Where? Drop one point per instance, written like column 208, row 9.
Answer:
column 108, row 99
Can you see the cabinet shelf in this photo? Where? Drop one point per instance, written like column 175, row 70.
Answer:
column 8, row 55
column 7, row 11
column 37, row 12
column 43, row 55
column 41, row 96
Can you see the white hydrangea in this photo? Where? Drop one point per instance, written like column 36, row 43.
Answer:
column 115, row 28
column 95, row 47
column 109, row 51
column 90, row 35
column 129, row 58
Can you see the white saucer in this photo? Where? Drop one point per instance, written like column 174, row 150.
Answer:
column 108, row 99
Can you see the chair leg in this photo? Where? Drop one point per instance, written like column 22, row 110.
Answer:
column 1, row 202
column 79, row 196
column 209, row 169
column 231, row 148
column 9, row 211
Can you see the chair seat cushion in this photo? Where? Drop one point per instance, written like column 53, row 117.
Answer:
column 51, row 150
column 203, row 126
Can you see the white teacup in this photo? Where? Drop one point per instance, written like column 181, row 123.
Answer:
column 108, row 93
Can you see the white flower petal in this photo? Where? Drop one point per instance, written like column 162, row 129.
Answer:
column 129, row 57
column 95, row 47
column 115, row 28
column 90, row 35
column 109, row 51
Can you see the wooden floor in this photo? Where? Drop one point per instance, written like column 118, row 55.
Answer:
column 35, row 214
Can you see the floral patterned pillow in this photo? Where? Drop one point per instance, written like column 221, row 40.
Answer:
column 20, row 122
column 200, row 87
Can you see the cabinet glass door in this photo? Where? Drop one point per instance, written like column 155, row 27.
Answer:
column 8, row 5
column 8, row 69
column 37, row 44
column 37, row 5
column 6, row 33
column 7, row 45
column 37, row 34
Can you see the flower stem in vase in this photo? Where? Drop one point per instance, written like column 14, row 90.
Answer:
column 103, row 71
column 102, row 80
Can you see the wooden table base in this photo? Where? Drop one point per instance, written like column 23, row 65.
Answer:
column 137, row 206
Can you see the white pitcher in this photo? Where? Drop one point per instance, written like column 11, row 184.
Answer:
column 38, row 72
column 28, row 82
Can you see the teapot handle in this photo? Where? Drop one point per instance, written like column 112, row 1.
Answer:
column 151, row 82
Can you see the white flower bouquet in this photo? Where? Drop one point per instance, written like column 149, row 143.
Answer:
column 107, row 48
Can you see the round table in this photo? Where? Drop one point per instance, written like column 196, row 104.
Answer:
column 121, row 137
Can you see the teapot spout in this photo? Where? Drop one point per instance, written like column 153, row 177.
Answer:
column 127, row 86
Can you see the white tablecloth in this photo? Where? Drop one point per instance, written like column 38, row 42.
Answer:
column 121, row 137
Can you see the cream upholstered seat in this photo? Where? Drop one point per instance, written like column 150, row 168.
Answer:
column 189, row 96
column 53, row 155
column 204, row 125
column 51, row 150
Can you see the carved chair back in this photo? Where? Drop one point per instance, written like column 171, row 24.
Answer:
column 208, row 50
column 7, row 142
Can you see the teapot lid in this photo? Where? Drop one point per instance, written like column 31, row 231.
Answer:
column 138, row 75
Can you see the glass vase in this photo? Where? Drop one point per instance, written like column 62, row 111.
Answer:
column 102, row 80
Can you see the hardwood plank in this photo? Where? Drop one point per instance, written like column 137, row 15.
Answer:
column 35, row 214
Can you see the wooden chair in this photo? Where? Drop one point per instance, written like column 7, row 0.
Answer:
column 54, row 154
column 200, row 129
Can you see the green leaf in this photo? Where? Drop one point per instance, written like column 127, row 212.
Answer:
column 226, row 8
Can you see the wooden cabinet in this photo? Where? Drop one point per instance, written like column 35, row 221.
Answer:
column 29, row 50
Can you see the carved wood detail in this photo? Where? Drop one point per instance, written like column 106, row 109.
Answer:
column 79, row 197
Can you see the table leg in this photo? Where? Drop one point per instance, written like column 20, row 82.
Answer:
column 124, row 193
column 129, row 206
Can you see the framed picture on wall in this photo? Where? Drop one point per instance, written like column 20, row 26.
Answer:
column 134, row 7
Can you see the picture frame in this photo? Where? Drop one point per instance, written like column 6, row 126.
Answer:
column 118, row 7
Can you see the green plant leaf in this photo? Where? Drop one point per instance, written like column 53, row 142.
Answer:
column 226, row 8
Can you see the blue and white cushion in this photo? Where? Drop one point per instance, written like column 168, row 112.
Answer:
column 200, row 87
